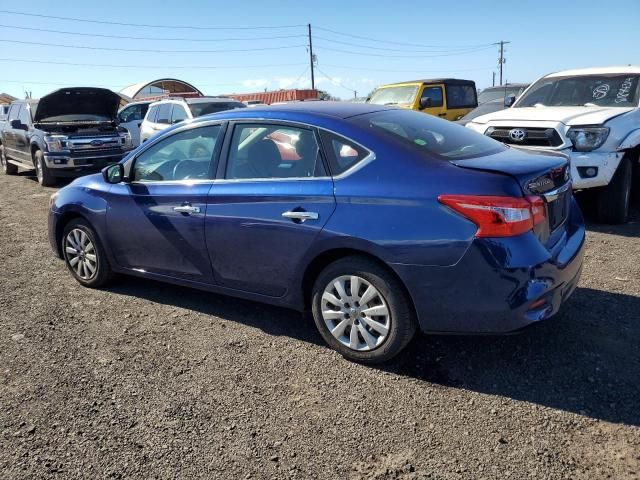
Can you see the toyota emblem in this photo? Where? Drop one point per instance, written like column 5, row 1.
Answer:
column 517, row 134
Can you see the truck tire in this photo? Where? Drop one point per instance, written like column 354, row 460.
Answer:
column 42, row 172
column 7, row 168
column 613, row 200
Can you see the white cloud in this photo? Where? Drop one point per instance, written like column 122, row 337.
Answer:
column 255, row 82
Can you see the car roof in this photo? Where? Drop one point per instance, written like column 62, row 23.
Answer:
column 196, row 100
column 502, row 87
column 327, row 109
column 629, row 69
column 434, row 80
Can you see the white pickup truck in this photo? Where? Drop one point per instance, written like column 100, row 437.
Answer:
column 593, row 116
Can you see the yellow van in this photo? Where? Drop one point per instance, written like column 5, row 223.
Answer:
column 448, row 98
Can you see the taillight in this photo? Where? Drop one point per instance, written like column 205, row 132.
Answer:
column 498, row 216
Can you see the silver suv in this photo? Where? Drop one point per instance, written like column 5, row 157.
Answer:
column 164, row 113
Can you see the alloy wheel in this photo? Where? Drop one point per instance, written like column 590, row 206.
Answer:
column 39, row 172
column 81, row 254
column 355, row 313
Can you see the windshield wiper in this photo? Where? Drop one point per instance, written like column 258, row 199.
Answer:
column 391, row 103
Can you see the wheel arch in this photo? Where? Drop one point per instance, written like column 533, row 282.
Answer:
column 35, row 146
column 327, row 257
column 62, row 222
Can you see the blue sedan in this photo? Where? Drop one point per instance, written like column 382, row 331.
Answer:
column 379, row 220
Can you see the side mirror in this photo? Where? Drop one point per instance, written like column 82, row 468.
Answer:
column 113, row 173
column 16, row 124
column 509, row 100
column 425, row 102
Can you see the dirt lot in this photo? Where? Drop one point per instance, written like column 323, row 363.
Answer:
column 146, row 380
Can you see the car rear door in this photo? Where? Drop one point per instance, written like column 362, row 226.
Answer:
column 156, row 220
column 270, row 202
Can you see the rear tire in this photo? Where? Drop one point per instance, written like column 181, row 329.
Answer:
column 7, row 168
column 613, row 200
column 42, row 172
column 84, row 254
column 384, row 314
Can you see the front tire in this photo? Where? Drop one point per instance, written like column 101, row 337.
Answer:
column 613, row 200
column 84, row 255
column 42, row 172
column 7, row 168
column 362, row 311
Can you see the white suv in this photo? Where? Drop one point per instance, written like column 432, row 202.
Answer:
column 165, row 113
column 593, row 116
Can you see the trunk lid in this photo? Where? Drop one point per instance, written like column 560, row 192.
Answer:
column 545, row 174
column 79, row 105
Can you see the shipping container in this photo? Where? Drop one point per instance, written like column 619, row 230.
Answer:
column 276, row 96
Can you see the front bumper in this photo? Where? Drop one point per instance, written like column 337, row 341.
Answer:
column 500, row 285
column 605, row 162
column 65, row 165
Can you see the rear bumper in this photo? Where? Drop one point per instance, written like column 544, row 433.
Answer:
column 499, row 285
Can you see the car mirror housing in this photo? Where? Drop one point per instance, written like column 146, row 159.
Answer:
column 425, row 102
column 509, row 100
column 16, row 124
column 113, row 173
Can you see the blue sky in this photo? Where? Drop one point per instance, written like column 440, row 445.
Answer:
column 414, row 40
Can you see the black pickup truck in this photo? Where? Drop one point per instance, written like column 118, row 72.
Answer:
column 68, row 133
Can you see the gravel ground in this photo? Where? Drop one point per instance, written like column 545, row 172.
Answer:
column 145, row 380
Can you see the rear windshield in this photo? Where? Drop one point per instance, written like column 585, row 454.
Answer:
column 204, row 108
column 429, row 134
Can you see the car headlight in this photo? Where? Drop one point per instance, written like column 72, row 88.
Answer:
column 125, row 139
column 56, row 143
column 586, row 139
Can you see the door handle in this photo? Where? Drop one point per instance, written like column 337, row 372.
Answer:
column 186, row 209
column 300, row 216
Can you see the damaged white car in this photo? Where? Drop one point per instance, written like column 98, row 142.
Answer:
column 592, row 115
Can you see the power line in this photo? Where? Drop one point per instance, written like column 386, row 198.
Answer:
column 185, row 67
column 335, row 82
column 119, row 87
column 125, row 37
column 351, row 52
column 376, row 47
column 113, row 49
column 390, row 42
column 186, row 27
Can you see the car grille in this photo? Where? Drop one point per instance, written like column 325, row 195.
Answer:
column 96, row 152
column 532, row 137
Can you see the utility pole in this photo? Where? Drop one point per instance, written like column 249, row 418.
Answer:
column 311, row 59
column 493, row 81
column 502, row 60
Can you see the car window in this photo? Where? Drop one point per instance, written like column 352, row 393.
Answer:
column 273, row 151
column 204, row 108
column 435, row 94
column 133, row 113
column 14, row 111
column 164, row 113
column 24, row 116
column 185, row 155
column 178, row 114
column 342, row 154
column 429, row 134
column 152, row 113
column 461, row 96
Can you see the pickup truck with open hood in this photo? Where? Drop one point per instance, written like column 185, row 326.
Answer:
column 68, row 133
column 592, row 116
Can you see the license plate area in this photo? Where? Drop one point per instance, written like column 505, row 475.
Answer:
column 558, row 210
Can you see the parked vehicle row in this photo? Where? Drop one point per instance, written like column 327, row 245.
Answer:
column 590, row 115
column 67, row 133
column 378, row 219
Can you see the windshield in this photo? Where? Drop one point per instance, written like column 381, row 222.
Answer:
column 429, row 134
column 587, row 91
column 489, row 94
column 488, row 107
column 401, row 95
column 204, row 108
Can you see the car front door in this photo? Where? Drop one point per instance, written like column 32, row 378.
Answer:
column 131, row 118
column 271, row 201
column 156, row 219
column 434, row 97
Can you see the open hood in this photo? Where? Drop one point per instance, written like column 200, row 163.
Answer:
column 79, row 104
column 567, row 115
